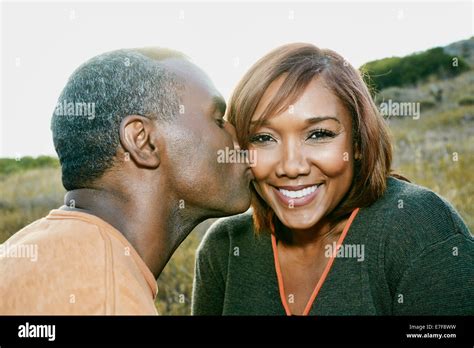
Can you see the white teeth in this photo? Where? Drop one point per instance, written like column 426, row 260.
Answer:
column 300, row 193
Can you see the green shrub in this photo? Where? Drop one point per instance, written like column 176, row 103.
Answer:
column 427, row 104
column 465, row 101
column 12, row 165
column 412, row 69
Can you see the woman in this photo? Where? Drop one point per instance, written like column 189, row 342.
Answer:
column 331, row 231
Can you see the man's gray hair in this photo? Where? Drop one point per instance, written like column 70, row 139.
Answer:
column 98, row 95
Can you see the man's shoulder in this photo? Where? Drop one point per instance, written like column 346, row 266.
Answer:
column 51, row 260
column 59, row 240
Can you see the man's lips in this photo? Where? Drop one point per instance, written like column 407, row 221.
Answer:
column 297, row 196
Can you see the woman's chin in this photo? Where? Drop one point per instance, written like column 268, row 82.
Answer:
column 298, row 221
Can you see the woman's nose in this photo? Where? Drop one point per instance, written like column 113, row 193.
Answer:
column 293, row 163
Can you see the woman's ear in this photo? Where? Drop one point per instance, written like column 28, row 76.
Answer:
column 139, row 138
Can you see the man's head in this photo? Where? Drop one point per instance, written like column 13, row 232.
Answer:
column 156, row 122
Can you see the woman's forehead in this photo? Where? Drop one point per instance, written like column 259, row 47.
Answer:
column 315, row 100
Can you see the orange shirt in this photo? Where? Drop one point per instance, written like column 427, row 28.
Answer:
column 73, row 263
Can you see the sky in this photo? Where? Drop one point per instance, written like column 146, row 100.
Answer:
column 43, row 42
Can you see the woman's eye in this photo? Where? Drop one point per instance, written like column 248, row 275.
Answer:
column 261, row 139
column 321, row 134
column 220, row 122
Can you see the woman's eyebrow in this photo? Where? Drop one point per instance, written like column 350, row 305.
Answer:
column 260, row 122
column 311, row 120
column 317, row 119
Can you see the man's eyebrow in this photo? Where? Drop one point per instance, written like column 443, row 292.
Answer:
column 219, row 104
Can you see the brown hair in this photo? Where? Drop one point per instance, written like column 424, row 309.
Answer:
column 299, row 63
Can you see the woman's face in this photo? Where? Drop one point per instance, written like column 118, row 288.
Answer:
column 305, row 158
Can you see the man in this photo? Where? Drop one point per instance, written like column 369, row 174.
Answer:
column 140, row 169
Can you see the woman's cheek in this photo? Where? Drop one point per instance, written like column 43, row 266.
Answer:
column 264, row 163
column 332, row 160
column 262, row 170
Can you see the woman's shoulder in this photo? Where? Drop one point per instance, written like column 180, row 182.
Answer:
column 418, row 201
column 416, row 212
column 224, row 230
column 399, row 189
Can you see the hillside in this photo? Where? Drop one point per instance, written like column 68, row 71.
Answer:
column 437, row 63
column 464, row 49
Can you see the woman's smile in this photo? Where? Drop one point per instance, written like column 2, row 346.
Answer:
column 297, row 196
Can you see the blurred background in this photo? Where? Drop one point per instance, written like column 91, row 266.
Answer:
column 413, row 55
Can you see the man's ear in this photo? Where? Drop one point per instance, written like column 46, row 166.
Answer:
column 138, row 136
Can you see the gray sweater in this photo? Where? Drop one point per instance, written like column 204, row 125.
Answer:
column 418, row 259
